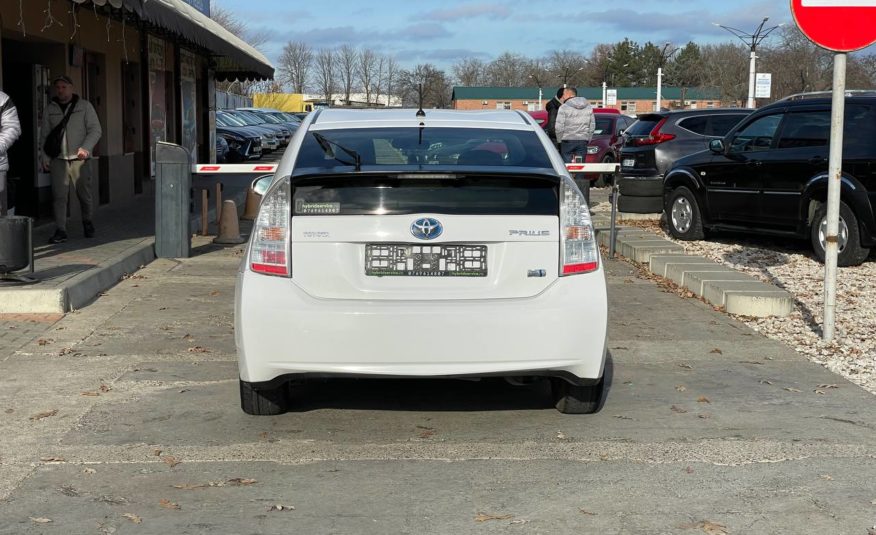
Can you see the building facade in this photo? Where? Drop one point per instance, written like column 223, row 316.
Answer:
column 149, row 68
column 628, row 100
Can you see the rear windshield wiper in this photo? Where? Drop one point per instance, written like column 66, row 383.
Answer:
column 326, row 145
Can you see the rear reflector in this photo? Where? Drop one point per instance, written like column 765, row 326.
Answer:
column 580, row 268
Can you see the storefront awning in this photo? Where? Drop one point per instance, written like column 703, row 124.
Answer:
column 235, row 58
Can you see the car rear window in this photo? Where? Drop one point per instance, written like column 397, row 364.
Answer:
column 716, row 125
column 438, row 146
column 644, row 125
column 375, row 195
column 603, row 126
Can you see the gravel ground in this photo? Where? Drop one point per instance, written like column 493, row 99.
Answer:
column 791, row 265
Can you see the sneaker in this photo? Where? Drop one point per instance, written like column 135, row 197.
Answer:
column 59, row 237
column 88, row 227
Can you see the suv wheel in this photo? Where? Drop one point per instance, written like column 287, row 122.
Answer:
column 683, row 215
column 850, row 251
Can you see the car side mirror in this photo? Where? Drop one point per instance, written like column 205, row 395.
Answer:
column 261, row 184
column 716, row 146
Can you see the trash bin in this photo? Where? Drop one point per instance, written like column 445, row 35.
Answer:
column 16, row 247
column 173, row 182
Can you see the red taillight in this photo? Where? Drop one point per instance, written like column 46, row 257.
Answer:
column 586, row 267
column 578, row 250
column 655, row 137
column 270, row 250
column 269, row 269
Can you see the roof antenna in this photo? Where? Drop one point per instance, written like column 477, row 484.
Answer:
column 420, row 113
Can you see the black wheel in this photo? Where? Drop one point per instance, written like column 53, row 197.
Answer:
column 683, row 215
column 850, row 251
column 263, row 401
column 575, row 399
column 640, row 205
column 633, row 186
column 604, row 178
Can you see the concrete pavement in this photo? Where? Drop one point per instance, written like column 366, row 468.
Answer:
column 123, row 417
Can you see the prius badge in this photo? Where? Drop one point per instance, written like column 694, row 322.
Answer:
column 426, row 228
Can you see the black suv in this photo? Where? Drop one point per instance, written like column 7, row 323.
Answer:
column 769, row 175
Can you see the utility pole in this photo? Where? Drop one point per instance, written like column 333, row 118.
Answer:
column 659, row 88
column 752, row 40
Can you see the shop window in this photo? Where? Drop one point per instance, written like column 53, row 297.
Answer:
column 503, row 105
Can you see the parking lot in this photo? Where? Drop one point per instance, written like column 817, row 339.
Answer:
column 125, row 418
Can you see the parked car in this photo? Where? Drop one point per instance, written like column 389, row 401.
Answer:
column 281, row 132
column 540, row 116
column 357, row 244
column 607, row 141
column 270, row 143
column 769, row 175
column 278, row 116
column 244, row 143
column 656, row 140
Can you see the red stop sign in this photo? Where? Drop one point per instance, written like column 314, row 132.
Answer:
column 839, row 25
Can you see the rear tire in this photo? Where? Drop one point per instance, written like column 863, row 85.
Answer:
column 575, row 399
column 640, row 205
column 683, row 215
column 263, row 401
column 852, row 254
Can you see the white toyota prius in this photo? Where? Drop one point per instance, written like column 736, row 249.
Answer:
column 403, row 243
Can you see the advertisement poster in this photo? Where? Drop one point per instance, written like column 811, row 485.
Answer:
column 157, row 102
column 188, row 106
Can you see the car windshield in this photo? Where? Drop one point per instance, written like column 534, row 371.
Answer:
column 424, row 146
column 268, row 118
column 247, row 118
column 231, row 120
column 289, row 118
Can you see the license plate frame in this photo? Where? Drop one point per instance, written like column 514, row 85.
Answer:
column 433, row 260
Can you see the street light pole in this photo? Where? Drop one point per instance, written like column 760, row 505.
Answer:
column 752, row 40
column 659, row 88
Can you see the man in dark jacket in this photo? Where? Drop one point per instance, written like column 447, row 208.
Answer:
column 70, row 168
column 552, row 107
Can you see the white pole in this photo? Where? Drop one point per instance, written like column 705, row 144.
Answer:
column 834, row 180
column 659, row 88
column 751, row 74
column 539, row 98
column 604, row 94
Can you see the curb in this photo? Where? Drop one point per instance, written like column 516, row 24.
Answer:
column 734, row 291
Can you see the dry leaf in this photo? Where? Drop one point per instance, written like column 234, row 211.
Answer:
column 188, row 337
column 40, row 520
column 89, row 471
column 104, row 388
column 680, row 388
column 689, row 470
column 789, row 389
column 561, row 435
column 89, row 393
column 167, row 504
column 765, row 382
column 43, row 341
column 133, row 518
column 156, row 452
column 191, row 486
column 53, row 459
column 585, row 511
column 519, row 521
column 676, row 408
column 214, row 293
column 703, row 399
column 426, row 434
column 483, row 517
column 622, row 417
column 279, row 507
column 46, row 414
column 704, row 416
column 827, row 386
column 711, row 528
column 817, row 391
column 827, row 477
column 114, row 500
column 716, row 350
column 686, row 366
column 198, row 349
column 170, row 460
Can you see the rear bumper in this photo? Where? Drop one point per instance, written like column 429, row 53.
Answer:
column 281, row 331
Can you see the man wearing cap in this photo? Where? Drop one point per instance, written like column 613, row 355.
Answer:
column 79, row 136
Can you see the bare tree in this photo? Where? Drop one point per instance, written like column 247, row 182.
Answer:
column 390, row 78
column 295, row 64
column 325, row 73
column 425, row 86
column 346, row 65
column 727, row 71
column 378, row 77
column 233, row 24
column 566, row 67
column 366, row 69
column 508, row 70
column 469, row 72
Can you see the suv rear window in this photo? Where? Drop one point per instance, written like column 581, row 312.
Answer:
column 711, row 125
column 479, row 195
column 423, row 146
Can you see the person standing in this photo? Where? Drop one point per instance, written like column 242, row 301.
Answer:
column 10, row 130
column 552, row 107
column 72, row 121
column 575, row 126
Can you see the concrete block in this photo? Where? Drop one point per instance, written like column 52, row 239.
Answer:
column 679, row 273
column 749, row 298
column 629, row 216
column 660, row 263
column 603, row 236
column 641, row 250
column 695, row 280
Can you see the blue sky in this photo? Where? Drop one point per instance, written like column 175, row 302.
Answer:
column 442, row 32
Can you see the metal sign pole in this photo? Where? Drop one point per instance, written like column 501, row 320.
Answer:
column 612, row 236
column 835, row 170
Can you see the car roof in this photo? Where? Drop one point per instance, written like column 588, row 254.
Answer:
column 332, row 118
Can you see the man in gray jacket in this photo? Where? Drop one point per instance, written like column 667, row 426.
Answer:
column 575, row 127
column 10, row 129
column 69, row 167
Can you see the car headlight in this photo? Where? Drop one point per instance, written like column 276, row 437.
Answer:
column 592, row 150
